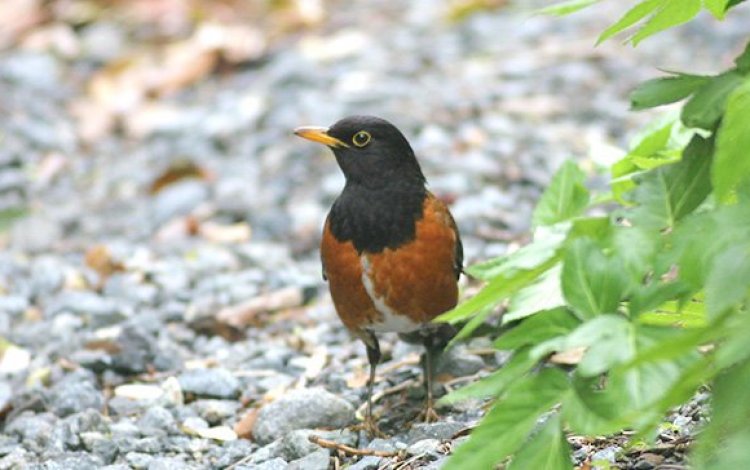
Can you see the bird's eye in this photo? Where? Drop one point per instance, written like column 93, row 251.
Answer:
column 361, row 138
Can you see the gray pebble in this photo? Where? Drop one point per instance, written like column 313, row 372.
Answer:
column 369, row 462
column 138, row 460
column 78, row 461
column 157, row 421
column 7, row 444
column 211, row 383
column 169, row 463
column 68, row 398
column 442, row 431
column 301, row 409
column 33, row 429
column 608, row 454
column 459, row 363
column 273, row 464
column 216, row 411
column 177, row 199
column 318, row 460
column 427, row 447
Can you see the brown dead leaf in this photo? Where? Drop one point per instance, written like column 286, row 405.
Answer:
column 244, row 427
column 570, row 357
column 358, row 379
column 248, row 312
column 179, row 170
column 100, row 259
column 107, row 345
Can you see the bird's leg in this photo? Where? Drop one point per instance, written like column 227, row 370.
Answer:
column 435, row 339
column 373, row 357
column 429, row 415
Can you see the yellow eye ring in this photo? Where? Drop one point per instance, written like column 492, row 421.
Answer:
column 361, row 138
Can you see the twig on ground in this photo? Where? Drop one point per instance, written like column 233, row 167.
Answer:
column 348, row 449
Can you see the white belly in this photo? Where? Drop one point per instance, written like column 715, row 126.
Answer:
column 391, row 321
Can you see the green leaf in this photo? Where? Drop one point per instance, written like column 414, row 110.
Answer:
column 723, row 443
column 592, row 282
column 546, row 450
column 707, row 105
column 661, row 91
column 565, row 197
column 672, row 13
column 497, row 382
column 539, row 328
column 566, row 8
column 608, row 339
column 544, row 294
column 589, row 410
column 642, row 385
column 668, row 193
column 493, row 293
column 508, row 424
column 743, row 60
column 634, row 15
column 728, row 282
column 731, row 166
column 547, row 242
column 717, row 7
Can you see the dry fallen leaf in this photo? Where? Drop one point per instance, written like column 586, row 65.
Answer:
column 569, row 357
column 244, row 427
column 179, row 170
column 100, row 259
column 247, row 313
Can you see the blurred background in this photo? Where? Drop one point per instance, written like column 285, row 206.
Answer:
column 154, row 198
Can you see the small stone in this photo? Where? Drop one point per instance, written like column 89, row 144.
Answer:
column 78, row 460
column 216, row 411
column 426, row 447
column 35, row 234
column 177, row 199
column 459, row 363
column 157, row 421
column 229, row 453
column 7, row 444
column 33, row 429
column 385, row 445
column 301, row 409
column 138, row 460
column 318, row 460
column 169, row 463
column 608, row 454
column 273, row 464
column 100, row 445
column 648, row 461
column 296, row 444
column 73, row 397
column 442, row 431
column 218, row 433
column 139, row 392
column 212, row 383
column 124, row 428
column 369, row 462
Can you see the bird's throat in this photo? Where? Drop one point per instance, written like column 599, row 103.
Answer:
column 377, row 219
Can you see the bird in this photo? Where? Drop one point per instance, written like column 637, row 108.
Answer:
column 390, row 249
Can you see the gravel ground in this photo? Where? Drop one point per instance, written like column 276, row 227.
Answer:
column 188, row 326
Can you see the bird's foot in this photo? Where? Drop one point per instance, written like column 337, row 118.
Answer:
column 370, row 426
column 428, row 414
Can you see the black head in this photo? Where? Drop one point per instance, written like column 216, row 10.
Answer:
column 370, row 151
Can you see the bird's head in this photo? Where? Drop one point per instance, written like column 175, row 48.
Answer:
column 370, row 151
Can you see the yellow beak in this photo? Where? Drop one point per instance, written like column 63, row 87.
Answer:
column 320, row 135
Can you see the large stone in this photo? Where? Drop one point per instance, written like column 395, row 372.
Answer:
column 302, row 409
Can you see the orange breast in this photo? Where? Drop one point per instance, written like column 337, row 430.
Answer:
column 416, row 279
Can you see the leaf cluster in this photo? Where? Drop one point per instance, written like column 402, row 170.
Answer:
column 614, row 320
